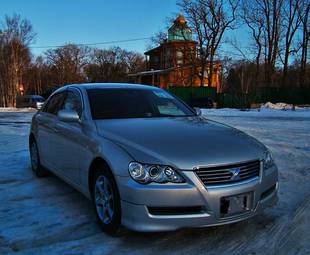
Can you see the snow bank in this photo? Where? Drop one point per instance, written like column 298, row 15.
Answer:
column 12, row 109
column 264, row 111
column 280, row 106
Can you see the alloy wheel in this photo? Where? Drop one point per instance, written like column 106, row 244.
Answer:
column 104, row 199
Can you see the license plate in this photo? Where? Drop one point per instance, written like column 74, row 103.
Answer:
column 236, row 204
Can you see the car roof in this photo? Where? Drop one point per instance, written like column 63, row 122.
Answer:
column 112, row 86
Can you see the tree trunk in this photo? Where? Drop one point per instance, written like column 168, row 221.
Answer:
column 305, row 45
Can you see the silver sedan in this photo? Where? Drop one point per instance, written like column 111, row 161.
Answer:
column 149, row 162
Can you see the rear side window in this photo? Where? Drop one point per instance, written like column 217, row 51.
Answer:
column 55, row 103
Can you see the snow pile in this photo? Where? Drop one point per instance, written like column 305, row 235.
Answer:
column 12, row 109
column 300, row 112
column 277, row 106
column 282, row 106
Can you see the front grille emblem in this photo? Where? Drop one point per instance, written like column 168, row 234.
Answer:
column 225, row 174
column 235, row 173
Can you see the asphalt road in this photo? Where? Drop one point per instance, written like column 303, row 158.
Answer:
column 46, row 216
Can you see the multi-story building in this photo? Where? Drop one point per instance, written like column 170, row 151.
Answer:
column 176, row 62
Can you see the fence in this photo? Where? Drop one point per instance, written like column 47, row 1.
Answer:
column 263, row 95
column 239, row 100
column 236, row 100
column 188, row 94
column 287, row 95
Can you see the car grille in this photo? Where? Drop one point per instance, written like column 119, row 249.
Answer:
column 229, row 173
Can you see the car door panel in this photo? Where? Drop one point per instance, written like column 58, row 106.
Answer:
column 46, row 131
column 71, row 146
column 68, row 142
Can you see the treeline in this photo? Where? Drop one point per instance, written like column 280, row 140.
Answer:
column 76, row 64
column 276, row 54
column 15, row 57
column 72, row 63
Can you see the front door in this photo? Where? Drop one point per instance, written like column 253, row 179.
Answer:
column 46, row 132
column 70, row 139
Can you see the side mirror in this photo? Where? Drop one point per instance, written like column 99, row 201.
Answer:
column 198, row 111
column 68, row 116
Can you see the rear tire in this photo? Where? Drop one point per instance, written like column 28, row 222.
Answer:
column 36, row 166
column 106, row 202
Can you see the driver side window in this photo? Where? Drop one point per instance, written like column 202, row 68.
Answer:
column 55, row 103
column 73, row 103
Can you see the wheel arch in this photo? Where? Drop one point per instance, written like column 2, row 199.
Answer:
column 31, row 138
column 97, row 162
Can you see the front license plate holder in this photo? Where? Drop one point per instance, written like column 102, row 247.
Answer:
column 236, row 204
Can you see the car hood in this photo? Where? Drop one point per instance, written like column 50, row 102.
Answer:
column 182, row 142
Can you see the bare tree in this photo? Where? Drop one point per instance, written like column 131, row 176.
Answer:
column 134, row 61
column 209, row 19
column 36, row 77
column 303, row 13
column 67, row 63
column 254, row 20
column 75, row 64
column 156, row 40
column 272, row 14
column 113, row 65
column 16, row 34
column 263, row 18
column 290, row 24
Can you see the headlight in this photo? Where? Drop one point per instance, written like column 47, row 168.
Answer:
column 144, row 173
column 268, row 160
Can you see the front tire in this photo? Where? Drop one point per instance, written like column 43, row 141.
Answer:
column 35, row 160
column 106, row 201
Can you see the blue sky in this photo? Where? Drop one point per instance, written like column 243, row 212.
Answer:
column 58, row 22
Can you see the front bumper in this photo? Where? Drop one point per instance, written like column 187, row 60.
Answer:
column 137, row 200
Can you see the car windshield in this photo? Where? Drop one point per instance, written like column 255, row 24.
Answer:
column 38, row 99
column 135, row 103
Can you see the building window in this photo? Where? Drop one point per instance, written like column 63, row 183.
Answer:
column 180, row 57
column 167, row 58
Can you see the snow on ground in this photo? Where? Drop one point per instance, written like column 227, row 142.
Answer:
column 46, row 216
column 12, row 109
column 263, row 112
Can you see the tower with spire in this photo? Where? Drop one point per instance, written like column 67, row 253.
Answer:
column 179, row 31
column 175, row 61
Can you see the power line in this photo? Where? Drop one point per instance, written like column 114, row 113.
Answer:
column 229, row 52
column 92, row 44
